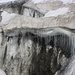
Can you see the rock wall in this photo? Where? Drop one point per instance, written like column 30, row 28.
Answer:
column 35, row 51
column 37, row 46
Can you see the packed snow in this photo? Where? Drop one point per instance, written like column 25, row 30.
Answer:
column 2, row 1
column 64, row 1
column 57, row 12
column 39, row 1
column 6, row 17
column 68, row 1
column 2, row 72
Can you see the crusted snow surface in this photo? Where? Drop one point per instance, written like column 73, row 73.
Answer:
column 39, row 1
column 2, row 1
column 57, row 12
column 2, row 72
column 64, row 1
column 68, row 1
column 6, row 17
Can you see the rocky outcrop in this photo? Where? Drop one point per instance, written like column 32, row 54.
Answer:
column 15, row 20
column 21, row 7
column 29, row 9
column 12, row 6
column 37, row 46
column 35, row 51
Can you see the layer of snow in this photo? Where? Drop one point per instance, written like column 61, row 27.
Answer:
column 2, row 1
column 64, row 1
column 6, row 17
column 39, row 1
column 57, row 12
column 68, row 1
column 2, row 72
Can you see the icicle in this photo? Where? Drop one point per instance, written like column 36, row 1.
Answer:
column 55, row 38
column 63, row 39
column 73, row 45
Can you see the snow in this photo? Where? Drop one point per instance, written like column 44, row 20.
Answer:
column 6, row 17
column 2, row 1
column 39, row 1
column 68, row 1
column 64, row 1
column 57, row 12
column 2, row 72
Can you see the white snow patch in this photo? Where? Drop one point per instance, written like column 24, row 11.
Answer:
column 2, row 72
column 39, row 1
column 57, row 12
column 2, row 1
column 6, row 17
column 68, row 1
column 64, row 1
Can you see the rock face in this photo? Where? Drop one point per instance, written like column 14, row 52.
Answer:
column 29, row 9
column 12, row 6
column 37, row 38
column 34, row 51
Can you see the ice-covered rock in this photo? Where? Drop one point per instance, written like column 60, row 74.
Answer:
column 12, row 6
column 29, row 9
column 24, row 48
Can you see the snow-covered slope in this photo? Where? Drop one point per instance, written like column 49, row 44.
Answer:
column 64, row 1
column 57, row 12
column 68, row 1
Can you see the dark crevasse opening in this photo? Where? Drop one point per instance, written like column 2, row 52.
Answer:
column 54, row 52
column 35, row 51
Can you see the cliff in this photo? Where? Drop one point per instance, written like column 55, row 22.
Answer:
column 37, row 41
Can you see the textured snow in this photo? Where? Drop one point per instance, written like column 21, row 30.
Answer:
column 64, row 1
column 68, row 1
column 2, row 1
column 39, row 1
column 6, row 17
column 2, row 72
column 57, row 12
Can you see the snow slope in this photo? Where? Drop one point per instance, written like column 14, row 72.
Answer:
column 68, row 1
column 57, row 12
column 64, row 1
